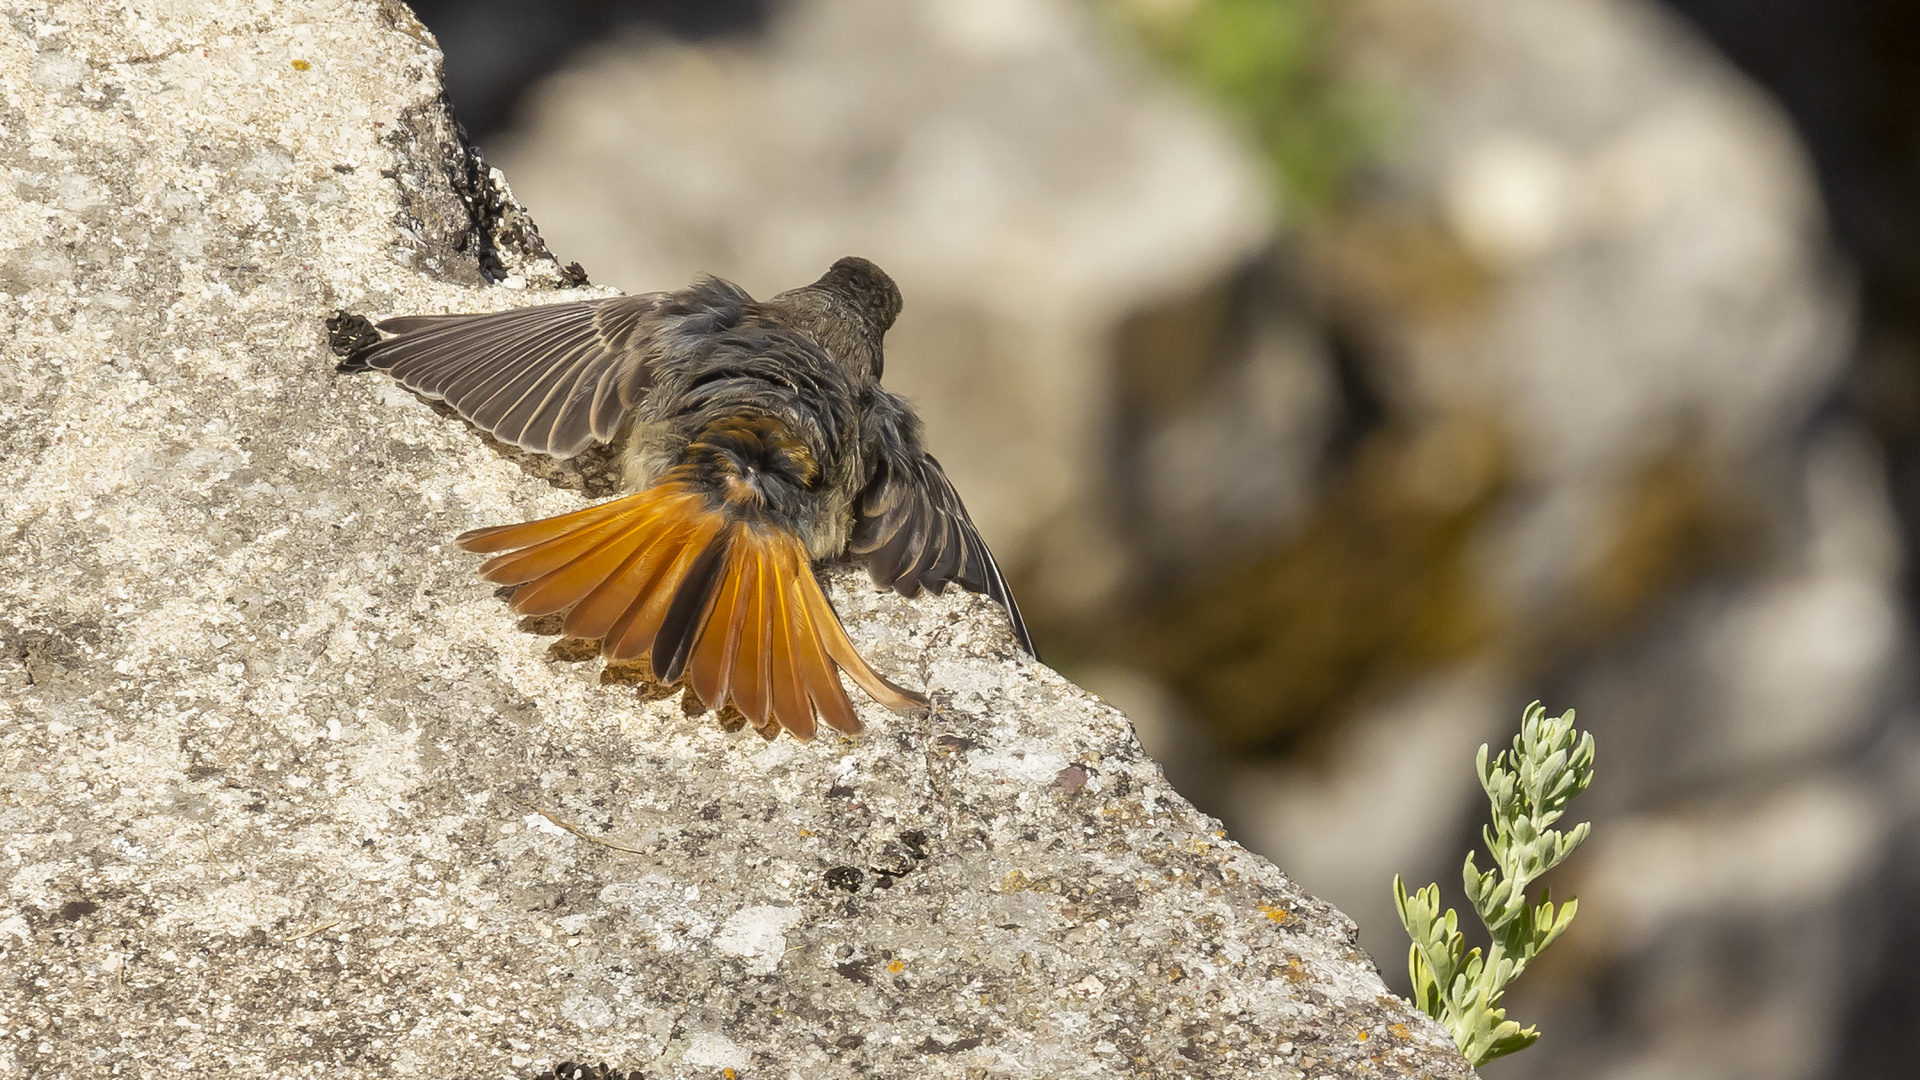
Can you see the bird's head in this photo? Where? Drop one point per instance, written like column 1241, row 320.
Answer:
column 866, row 288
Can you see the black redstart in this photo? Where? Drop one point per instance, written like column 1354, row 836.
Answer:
column 762, row 443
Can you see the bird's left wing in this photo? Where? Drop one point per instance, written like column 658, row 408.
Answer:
column 913, row 532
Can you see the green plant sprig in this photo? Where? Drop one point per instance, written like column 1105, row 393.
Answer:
column 1529, row 787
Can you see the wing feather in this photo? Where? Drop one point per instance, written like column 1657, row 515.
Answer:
column 551, row 378
column 913, row 532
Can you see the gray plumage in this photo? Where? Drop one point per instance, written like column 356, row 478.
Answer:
column 846, row 471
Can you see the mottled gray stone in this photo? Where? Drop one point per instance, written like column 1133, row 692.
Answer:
column 283, row 789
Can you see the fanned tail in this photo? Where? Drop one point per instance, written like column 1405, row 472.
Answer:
column 732, row 605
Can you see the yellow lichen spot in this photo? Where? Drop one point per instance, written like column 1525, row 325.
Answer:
column 806, row 832
column 1015, row 881
column 1399, row 1031
column 301, row 65
column 1360, row 1036
column 1277, row 914
column 897, row 967
column 729, row 1074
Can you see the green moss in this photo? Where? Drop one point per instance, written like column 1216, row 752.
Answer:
column 1273, row 63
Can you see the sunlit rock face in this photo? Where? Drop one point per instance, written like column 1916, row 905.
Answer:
column 285, row 789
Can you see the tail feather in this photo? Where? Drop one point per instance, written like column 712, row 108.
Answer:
column 731, row 606
column 528, row 533
column 750, row 686
column 711, row 668
column 562, row 586
column 540, row 559
column 632, row 634
column 818, row 679
column 693, row 603
column 789, row 695
column 604, row 606
column 840, row 648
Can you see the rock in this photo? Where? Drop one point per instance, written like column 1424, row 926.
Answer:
column 285, row 790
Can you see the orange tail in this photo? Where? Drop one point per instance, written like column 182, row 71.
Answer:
column 732, row 605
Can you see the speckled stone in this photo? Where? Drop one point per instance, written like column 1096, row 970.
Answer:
column 284, row 789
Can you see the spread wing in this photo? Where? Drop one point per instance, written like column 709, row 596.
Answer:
column 913, row 532
column 551, row 378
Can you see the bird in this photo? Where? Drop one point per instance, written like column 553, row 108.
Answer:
column 760, row 446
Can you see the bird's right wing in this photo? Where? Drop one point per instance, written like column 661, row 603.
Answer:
column 551, row 378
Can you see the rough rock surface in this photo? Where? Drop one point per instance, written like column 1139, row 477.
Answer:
column 284, row 791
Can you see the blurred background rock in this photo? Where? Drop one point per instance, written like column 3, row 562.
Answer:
column 1335, row 376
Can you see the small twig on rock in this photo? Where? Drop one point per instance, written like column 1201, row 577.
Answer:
column 577, row 831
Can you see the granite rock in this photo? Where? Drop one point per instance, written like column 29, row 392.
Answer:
column 284, row 789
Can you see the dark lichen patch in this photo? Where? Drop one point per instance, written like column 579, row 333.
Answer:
column 570, row 650
column 1675, row 518
column 637, row 674
column 568, row 1070
column 443, row 195
column 542, row 625
column 61, row 649
column 75, row 910
column 896, row 858
column 348, row 332
column 860, row 971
